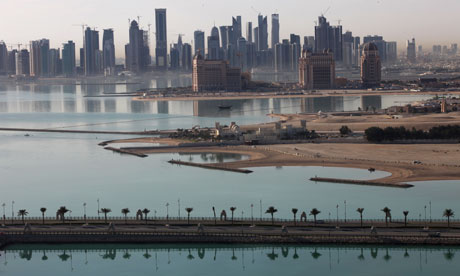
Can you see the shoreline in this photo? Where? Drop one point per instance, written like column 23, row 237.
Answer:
column 271, row 95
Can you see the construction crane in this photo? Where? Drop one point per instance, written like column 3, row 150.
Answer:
column 258, row 12
column 83, row 25
column 324, row 13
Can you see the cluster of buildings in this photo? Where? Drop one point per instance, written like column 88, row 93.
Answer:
column 255, row 45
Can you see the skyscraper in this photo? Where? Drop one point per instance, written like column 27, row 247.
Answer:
column 108, row 52
column 392, row 51
column 3, row 58
column 275, row 35
column 39, row 58
column 186, row 57
column 68, row 59
column 91, row 47
column 54, row 62
column 411, row 53
column 237, row 29
column 224, row 36
column 262, row 33
column 249, row 32
column 161, row 50
column 22, row 63
column 371, row 66
column 137, row 51
column 328, row 37
column 198, row 37
column 214, row 45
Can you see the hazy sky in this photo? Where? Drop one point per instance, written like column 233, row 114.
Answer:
column 429, row 21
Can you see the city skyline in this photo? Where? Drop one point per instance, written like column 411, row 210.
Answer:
column 295, row 18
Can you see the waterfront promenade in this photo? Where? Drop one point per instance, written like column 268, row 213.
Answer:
column 208, row 230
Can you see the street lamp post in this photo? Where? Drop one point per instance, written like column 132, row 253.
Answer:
column 178, row 210
column 337, row 212
column 252, row 214
column 84, row 211
column 12, row 211
column 345, row 203
column 98, row 209
column 167, row 212
column 260, row 203
column 430, row 213
column 70, row 220
column 425, row 215
column 4, row 216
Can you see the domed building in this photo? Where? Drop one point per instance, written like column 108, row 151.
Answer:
column 371, row 66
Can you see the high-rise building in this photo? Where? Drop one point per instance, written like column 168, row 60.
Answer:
column 225, row 36
column 392, row 51
column 91, row 47
column 275, row 35
column 198, row 37
column 108, row 52
column 12, row 62
column 68, row 59
column 242, row 53
column 214, row 45
column 317, row 70
column 22, row 63
column 411, row 52
column 137, row 51
column 308, row 43
column 282, row 56
column 380, row 43
column 371, row 66
column 186, row 57
column 39, row 58
column 328, row 37
column 3, row 58
column 237, row 29
column 161, row 50
column 174, row 57
column 249, row 37
column 54, row 62
column 262, row 33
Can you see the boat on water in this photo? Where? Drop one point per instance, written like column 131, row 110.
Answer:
column 223, row 106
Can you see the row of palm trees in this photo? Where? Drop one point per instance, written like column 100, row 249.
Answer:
column 62, row 211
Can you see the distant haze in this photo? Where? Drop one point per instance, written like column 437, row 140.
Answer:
column 430, row 22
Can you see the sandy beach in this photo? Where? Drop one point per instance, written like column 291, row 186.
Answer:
column 438, row 161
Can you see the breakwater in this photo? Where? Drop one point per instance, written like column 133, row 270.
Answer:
column 124, row 151
column 87, row 131
column 209, row 166
column 361, row 182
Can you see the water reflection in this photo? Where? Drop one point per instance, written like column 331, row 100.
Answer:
column 197, row 253
column 49, row 98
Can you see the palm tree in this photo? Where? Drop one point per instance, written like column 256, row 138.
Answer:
column 105, row 211
column 294, row 211
column 314, row 212
column 189, row 210
column 62, row 211
column 22, row 213
column 232, row 209
column 405, row 217
column 145, row 212
column 387, row 212
column 43, row 210
column 271, row 210
column 448, row 213
column 360, row 211
column 125, row 212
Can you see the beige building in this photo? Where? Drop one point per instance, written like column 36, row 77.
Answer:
column 317, row 70
column 214, row 75
column 371, row 66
